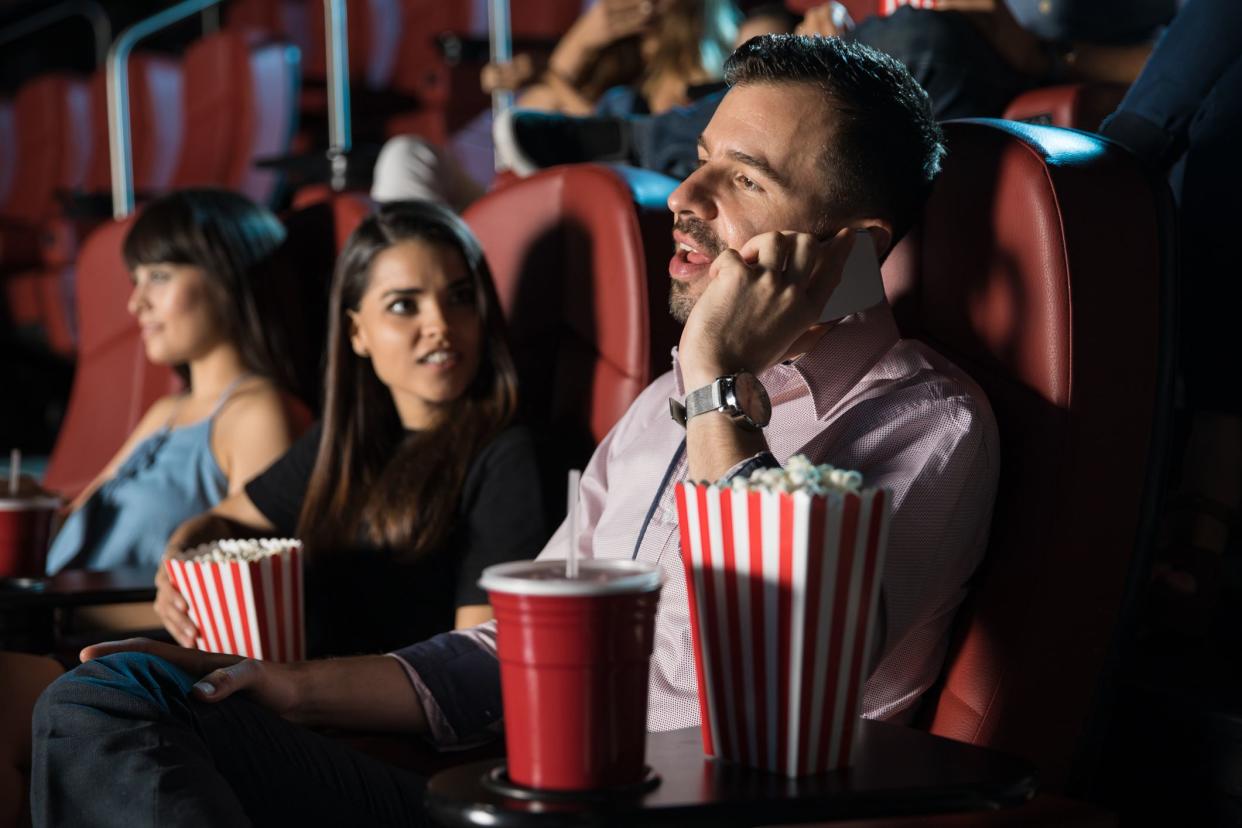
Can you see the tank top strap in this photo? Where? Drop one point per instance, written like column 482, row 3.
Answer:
column 226, row 394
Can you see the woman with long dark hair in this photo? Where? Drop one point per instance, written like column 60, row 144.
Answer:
column 416, row 477
column 202, row 263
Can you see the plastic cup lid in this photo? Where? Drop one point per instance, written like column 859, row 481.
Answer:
column 595, row 577
column 9, row 503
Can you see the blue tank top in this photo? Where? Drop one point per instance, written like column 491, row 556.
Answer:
column 167, row 479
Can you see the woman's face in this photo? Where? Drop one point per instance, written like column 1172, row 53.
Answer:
column 418, row 322
column 175, row 313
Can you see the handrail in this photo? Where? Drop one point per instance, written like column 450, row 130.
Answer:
column 500, row 38
column 340, row 139
column 91, row 11
column 120, row 151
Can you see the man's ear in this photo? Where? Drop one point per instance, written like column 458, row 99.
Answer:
column 357, row 336
column 881, row 234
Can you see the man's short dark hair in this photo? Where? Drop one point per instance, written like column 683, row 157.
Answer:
column 887, row 149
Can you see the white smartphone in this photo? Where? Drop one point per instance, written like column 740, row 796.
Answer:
column 861, row 284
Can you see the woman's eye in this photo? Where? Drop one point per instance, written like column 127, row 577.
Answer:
column 401, row 306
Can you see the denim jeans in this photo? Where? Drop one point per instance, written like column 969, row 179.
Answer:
column 118, row 741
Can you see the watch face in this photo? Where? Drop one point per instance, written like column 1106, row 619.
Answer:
column 752, row 398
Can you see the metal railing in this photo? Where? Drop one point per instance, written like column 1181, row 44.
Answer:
column 120, row 148
column 89, row 10
column 340, row 139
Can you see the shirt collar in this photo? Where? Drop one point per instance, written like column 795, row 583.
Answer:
column 835, row 364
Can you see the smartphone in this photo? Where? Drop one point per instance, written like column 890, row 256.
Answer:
column 861, row 284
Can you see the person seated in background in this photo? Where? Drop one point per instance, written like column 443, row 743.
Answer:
column 761, row 230
column 621, row 57
column 205, row 267
column 417, row 478
column 197, row 258
column 973, row 57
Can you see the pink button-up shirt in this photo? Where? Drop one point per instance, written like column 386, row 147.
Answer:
column 861, row 398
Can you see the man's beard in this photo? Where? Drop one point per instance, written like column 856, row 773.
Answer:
column 680, row 301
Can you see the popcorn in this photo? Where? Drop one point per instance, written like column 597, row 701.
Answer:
column 800, row 474
column 245, row 596
column 242, row 550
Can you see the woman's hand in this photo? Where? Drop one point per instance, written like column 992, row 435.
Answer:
column 173, row 610
column 507, row 76
column 272, row 685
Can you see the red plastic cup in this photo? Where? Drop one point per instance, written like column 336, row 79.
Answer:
column 574, row 657
column 25, row 524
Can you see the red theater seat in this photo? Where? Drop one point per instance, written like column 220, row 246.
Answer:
column 114, row 384
column 1039, row 268
column 239, row 108
column 51, row 116
column 580, row 258
column 1075, row 105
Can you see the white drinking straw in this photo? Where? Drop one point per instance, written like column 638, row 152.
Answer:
column 571, row 561
column 15, row 469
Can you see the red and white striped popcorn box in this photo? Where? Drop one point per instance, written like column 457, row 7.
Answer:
column 783, row 595
column 245, row 597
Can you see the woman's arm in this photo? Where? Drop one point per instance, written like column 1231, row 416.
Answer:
column 250, row 433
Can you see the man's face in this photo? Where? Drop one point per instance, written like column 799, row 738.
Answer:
column 760, row 170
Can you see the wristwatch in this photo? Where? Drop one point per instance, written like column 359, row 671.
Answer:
column 739, row 396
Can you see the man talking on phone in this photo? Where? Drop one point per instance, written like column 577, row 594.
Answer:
column 817, row 139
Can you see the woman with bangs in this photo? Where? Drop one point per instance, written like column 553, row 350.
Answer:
column 207, row 286
column 202, row 262
column 416, row 479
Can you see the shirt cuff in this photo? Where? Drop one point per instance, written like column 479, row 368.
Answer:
column 762, row 460
column 458, row 683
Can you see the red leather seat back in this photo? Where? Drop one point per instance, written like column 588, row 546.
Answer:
column 1038, row 269
column 156, row 122
column 575, row 251
column 274, row 80
column 114, row 384
column 51, row 114
column 1074, row 105
column 218, row 107
column 538, row 18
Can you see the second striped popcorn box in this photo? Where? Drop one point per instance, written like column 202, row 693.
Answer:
column 244, row 596
column 783, row 573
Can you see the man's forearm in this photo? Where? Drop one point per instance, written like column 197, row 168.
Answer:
column 368, row 693
column 714, row 445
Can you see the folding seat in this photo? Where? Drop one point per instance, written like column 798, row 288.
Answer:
column 1074, row 105
column 50, row 115
column 1041, row 267
column 240, row 107
column 580, row 258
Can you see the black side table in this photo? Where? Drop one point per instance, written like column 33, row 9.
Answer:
column 898, row 771
column 29, row 607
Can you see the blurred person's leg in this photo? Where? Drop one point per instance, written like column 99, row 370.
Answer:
column 410, row 168
column 962, row 72
column 118, row 741
column 22, row 678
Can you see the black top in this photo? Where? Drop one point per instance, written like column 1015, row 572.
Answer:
column 364, row 599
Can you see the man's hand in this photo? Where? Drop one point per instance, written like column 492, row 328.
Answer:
column 173, row 611
column 271, row 685
column 760, row 300
column 828, row 20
